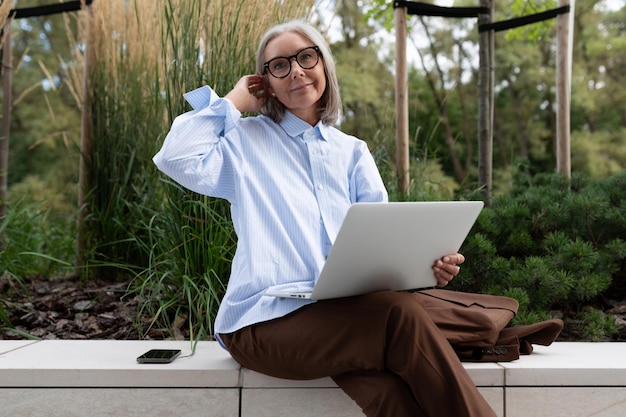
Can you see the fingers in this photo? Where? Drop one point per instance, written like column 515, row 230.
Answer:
column 456, row 259
column 256, row 86
column 248, row 93
column 445, row 273
column 447, row 268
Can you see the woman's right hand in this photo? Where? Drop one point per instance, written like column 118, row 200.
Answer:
column 248, row 94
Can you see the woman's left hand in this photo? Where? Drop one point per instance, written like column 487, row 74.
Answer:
column 447, row 268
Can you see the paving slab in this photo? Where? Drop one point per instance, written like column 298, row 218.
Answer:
column 9, row 345
column 112, row 363
column 570, row 364
column 116, row 402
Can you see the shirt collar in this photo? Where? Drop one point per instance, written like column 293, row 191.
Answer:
column 295, row 127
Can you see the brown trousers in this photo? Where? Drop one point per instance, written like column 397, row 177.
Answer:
column 381, row 349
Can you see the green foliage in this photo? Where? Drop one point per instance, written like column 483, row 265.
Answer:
column 33, row 242
column 190, row 243
column 381, row 11
column 538, row 31
column 525, row 61
column 547, row 241
column 594, row 325
column 175, row 243
column 553, row 243
column 365, row 114
column 600, row 154
column 45, row 118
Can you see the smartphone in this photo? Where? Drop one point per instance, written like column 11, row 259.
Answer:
column 159, row 356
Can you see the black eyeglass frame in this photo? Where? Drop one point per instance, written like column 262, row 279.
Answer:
column 266, row 65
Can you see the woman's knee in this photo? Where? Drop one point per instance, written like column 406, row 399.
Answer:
column 402, row 303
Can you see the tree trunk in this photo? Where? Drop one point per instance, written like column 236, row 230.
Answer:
column 7, row 69
column 402, row 102
column 86, row 149
column 485, row 105
column 563, row 153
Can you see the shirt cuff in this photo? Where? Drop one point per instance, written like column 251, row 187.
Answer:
column 200, row 97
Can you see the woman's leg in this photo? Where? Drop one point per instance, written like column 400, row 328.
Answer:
column 384, row 332
column 380, row 393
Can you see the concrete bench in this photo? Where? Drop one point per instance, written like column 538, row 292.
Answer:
column 102, row 378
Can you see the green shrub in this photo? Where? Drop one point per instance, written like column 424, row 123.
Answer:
column 553, row 243
column 32, row 242
column 593, row 325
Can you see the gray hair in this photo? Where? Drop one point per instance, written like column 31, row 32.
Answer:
column 330, row 107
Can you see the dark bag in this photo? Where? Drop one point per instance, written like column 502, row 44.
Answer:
column 476, row 325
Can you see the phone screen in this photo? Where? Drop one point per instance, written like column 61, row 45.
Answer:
column 159, row 356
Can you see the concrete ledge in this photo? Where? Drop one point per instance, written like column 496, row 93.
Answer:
column 570, row 364
column 102, row 378
column 112, row 363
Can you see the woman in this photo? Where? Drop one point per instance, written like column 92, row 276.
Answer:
column 290, row 178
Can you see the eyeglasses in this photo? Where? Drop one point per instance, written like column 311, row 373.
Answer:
column 280, row 67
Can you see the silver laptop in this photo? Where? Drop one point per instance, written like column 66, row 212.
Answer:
column 391, row 246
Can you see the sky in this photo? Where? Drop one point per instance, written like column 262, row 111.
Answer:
column 611, row 4
column 614, row 4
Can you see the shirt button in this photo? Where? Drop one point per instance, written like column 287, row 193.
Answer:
column 320, row 187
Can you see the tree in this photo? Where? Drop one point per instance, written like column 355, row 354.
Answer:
column 367, row 85
column 45, row 120
column 525, row 81
column 598, row 111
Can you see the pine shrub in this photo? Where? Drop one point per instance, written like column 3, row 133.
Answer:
column 556, row 244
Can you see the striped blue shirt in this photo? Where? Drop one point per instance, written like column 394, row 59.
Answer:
column 289, row 186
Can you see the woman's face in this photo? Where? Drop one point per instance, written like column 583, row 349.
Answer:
column 300, row 91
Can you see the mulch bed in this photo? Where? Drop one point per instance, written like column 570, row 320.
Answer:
column 72, row 309
column 91, row 309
